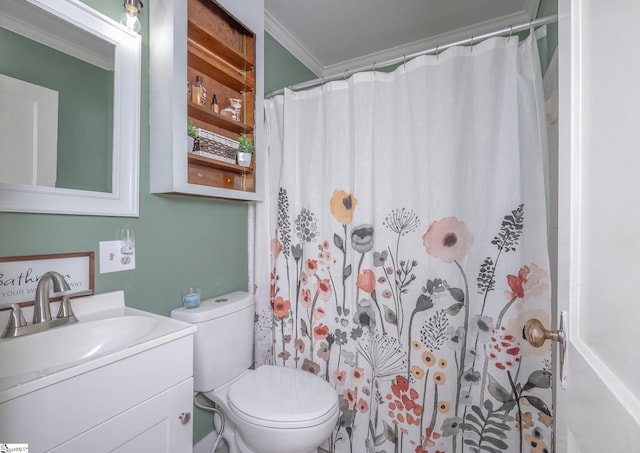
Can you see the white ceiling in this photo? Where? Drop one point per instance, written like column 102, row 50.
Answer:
column 333, row 36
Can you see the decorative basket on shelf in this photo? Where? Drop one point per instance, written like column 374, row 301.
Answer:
column 215, row 146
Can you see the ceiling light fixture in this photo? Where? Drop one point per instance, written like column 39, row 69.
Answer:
column 130, row 16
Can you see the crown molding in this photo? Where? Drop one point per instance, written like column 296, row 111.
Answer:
column 286, row 40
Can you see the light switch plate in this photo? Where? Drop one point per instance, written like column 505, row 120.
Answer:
column 113, row 260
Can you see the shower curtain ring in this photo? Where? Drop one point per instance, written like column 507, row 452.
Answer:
column 404, row 61
column 510, row 31
column 437, row 47
column 471, row 43
column 344, row 75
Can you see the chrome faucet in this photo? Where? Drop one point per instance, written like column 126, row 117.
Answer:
column 41, row 308
column 17, row 326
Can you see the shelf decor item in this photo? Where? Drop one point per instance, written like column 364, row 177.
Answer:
column 236, row 105
column 245, row 150
column 215, row 146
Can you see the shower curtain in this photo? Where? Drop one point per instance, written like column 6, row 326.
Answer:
column 407, row 248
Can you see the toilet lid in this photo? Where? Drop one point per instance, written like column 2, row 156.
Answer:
column 282, row 395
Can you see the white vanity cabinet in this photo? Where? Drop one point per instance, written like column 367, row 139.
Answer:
column 142, row 403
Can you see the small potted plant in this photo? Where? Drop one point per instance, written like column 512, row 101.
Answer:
column 245, row 150
column 192, row 134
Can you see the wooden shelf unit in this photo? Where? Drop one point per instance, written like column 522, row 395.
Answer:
column 190, row 38
column 222, row 51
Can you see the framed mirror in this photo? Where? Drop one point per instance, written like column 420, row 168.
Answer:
column 69, row 110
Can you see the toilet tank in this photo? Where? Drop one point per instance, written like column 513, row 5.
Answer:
column 223, row 343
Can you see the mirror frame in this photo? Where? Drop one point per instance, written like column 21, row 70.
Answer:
column 124, row 198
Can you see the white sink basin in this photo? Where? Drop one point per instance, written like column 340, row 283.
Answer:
column 65, row 345
column 106, row 331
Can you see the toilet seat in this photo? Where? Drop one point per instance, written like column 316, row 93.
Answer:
column 279, row 397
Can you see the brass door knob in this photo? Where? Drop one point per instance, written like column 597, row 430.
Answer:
column 535, row 333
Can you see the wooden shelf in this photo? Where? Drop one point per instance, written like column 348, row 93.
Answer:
column 213, row 163
column 198, row 112
column 205, row 62
column 217, row 47
column 211, row 172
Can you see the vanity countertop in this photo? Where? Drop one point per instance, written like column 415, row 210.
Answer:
column 106, row 331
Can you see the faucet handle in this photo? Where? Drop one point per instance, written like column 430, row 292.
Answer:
column 16, row 319
column 65, row 310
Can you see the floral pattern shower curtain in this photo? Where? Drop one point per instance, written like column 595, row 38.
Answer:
column 407, row 227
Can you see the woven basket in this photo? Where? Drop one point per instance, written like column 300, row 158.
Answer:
column 214, row 146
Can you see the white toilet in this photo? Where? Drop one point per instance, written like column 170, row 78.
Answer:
column 268, row 410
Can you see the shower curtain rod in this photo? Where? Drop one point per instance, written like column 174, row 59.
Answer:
column 474, row 39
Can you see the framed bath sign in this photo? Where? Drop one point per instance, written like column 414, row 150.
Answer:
column 19, row 275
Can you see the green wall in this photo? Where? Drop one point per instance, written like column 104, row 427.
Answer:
column 548, row 48
column 281, row 69
column 180, row 241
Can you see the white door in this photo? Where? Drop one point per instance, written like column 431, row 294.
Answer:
column 29, row 131
column 599, row 225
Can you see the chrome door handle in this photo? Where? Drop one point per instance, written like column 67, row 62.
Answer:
column 536, row 334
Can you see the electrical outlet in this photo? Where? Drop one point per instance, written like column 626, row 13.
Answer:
column 113, row 260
